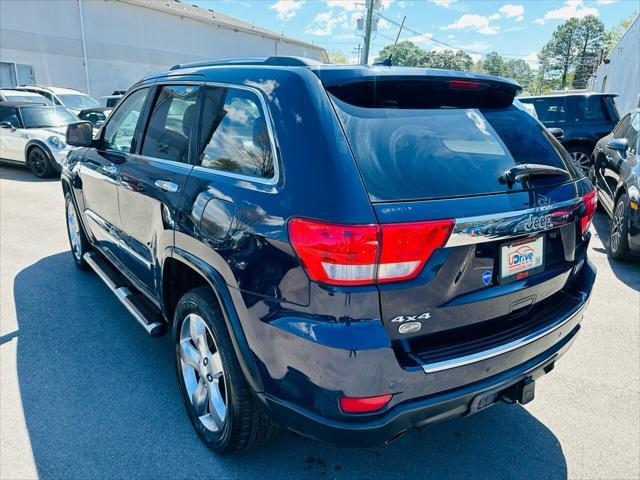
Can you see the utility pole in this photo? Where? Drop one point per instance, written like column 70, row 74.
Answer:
column 358, row 52
column 367, row 32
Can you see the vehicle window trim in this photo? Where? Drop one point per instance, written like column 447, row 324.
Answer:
column 193, row 142
column 143, row 111
column 275, row 151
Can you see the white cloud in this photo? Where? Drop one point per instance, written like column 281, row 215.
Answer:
column 286, row 9
column 539, row 21
column 324, row 23
column 532, row 59
column 520, row 18
column 511, row 11
column 606, row 2
column 473, row 22
column 571, row 9
column 494, row 16
column 348, row 5
column 443, row 3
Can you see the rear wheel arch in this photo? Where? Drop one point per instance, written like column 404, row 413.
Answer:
column 197, row 273
column 580, row 142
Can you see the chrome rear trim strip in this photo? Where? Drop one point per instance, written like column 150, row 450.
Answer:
column 502, row 226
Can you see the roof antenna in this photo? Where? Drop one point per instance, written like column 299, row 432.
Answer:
column 387, row 61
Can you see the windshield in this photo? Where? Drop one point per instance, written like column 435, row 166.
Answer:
column 78, row 101
column 17, row 97
column 411, row 154
column 40, row 117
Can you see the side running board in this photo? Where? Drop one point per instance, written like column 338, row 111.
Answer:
column 147, row 315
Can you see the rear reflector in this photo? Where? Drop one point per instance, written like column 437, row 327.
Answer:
column 363, row 404
column 591, row 203
column 365, row 254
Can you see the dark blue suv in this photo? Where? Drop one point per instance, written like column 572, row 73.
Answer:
column 344, row 251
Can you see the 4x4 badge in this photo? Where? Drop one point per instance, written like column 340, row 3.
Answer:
column 410, row 318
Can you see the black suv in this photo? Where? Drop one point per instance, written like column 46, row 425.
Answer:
column 585, row 118
column 344, row 251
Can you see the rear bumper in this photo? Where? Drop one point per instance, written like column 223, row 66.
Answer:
column 350, row 432
column 303, row 396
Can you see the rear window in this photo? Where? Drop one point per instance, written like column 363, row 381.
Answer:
column 426, row 153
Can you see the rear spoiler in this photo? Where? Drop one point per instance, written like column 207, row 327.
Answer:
column 445, row 89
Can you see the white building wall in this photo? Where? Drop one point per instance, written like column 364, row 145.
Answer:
column 622, row 74
column 124, row 41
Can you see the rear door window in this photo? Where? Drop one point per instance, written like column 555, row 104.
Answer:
column 172, row 123
column 411, row 154
column 590, row 108
column 549, row 110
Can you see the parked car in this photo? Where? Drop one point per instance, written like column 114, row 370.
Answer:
column 96, row 115
column 9, row 95
column 616, row 175
column 74, row 100
column 34, row 135
column 585, row 118
column 113, row 99
column 344, row 251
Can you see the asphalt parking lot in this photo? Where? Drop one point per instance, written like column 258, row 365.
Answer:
column 86, row 394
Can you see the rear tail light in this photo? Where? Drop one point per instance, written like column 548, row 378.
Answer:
column 363, row 404
column 365, row 254
column 591, row 203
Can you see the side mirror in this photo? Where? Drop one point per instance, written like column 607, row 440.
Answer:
column 619, row 144
column 80, row 134
column 7, row 125
column 557, row 132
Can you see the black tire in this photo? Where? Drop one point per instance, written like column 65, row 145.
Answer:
column 78, row 245
column 39, row 163
column 619, row 234
column 581, row 156
column 245, row 425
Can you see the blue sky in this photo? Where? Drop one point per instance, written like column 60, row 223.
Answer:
column 515, row 29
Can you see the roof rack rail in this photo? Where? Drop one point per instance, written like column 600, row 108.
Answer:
column 280, row 61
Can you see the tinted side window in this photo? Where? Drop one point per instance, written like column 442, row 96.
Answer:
column 549, row 109
column 590, row 108
column 121, row 127
column 10, row 115
column 621, row 129
column 235, row 135
column 172, row 122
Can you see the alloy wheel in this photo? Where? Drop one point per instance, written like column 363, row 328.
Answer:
column 582, row 160
column 38, row 162
column 616, row 227
column 202, row 372
column 74, row 231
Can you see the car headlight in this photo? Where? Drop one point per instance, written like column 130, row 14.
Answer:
column 56, row 142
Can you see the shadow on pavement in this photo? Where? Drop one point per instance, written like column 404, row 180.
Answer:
column 627, row 272
column 22, row 174
column 101, row 401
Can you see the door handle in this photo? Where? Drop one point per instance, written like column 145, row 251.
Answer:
column 109, row 169
column 167, row 186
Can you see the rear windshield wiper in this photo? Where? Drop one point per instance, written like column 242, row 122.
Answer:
column 527, row 170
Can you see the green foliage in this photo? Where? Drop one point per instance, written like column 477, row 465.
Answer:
column 337, row 57
column 567, row 59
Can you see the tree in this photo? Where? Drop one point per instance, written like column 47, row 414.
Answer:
column 589, row 39
column 404, row 54
column 337, row 57
column 447, row 59
column 493, row 64
column 561, row 49
column 520, row 71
